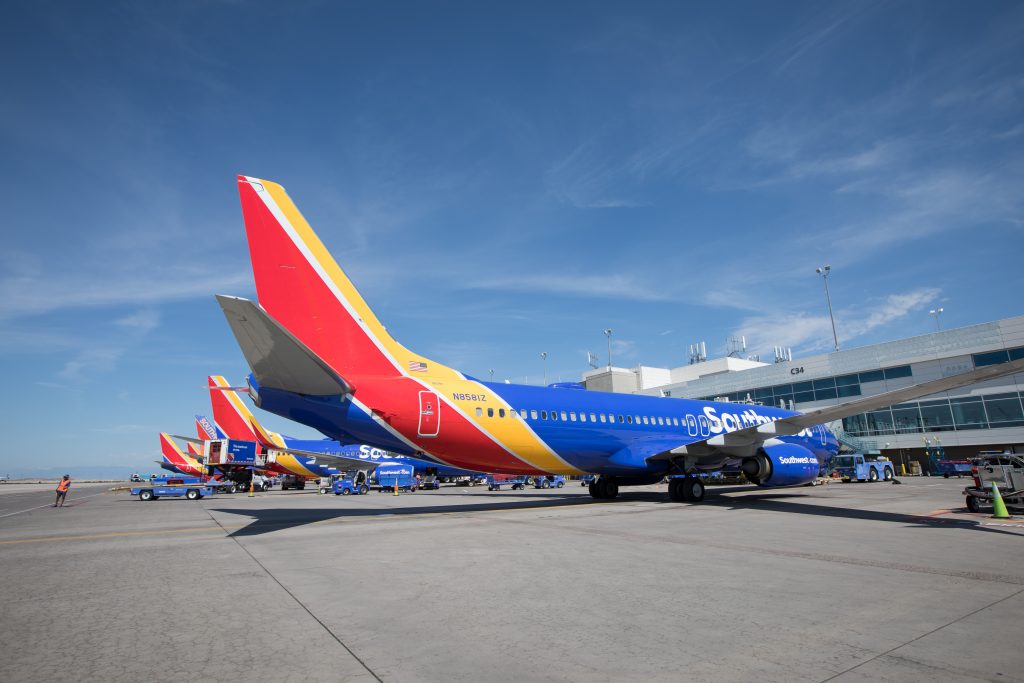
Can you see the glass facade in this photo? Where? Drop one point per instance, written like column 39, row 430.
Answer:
column 823, row 389
column 945, row 415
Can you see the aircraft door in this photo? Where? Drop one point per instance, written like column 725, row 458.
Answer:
column 430, row 414
column 691, row 425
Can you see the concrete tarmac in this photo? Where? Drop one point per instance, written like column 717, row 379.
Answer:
column 845, row 582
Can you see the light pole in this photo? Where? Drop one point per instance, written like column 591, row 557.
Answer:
column 823, row 272
column 608, row 333
column 544, row 357
column 937, row 312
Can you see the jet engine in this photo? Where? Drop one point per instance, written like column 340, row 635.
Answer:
column 781, row 464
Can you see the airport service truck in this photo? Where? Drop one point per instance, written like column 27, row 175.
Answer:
column 860, row 467
column 192, row 488
column 549, row 481
column 1007, row 471
column 391, row 474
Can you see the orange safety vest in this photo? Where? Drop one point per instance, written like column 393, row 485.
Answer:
column 64, row 485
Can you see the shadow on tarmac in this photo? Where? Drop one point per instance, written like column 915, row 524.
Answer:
column 275, row 519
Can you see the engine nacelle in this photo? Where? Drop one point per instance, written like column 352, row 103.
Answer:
column 783, row 464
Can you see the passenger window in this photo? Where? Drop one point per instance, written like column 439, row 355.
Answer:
column 479, row 411
column 675, row 421
column 602, row 417
column 564, row 416
column 522, row 413
column 644, row 419
column 490, row 412
column 572, row 417
column 543, row 414
column 637, row 419
column 620, row 418
column 661, row 420
column 593, row 418
column 629, row 419
column 533, row 415
column 501, row 412
column 554, row 415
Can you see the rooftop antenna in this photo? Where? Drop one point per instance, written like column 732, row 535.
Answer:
column 698, row 353
column 592, row 360
column 737, row 346
column 783, row 354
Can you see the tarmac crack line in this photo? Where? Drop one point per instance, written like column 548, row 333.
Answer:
column 296, row 599
column 923, row 635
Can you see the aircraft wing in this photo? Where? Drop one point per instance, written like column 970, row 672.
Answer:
column 340, row 461
column 277, row 358
column 745, row 442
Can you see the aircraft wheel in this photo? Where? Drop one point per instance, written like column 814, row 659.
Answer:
column 592, row 489
column 692, row 489
column 192, row 494
column 675, row 490
column 611, row 489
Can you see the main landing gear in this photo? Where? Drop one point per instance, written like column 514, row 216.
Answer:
column 686, row 489
column 603, row 488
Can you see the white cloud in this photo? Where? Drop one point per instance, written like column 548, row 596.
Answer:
column 601, row 286
column 814, row 333
column 32, row 295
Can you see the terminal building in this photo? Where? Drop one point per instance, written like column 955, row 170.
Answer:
column 982, row 417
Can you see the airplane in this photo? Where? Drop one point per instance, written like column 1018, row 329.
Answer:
column 232, row 417
column 174, row 460
column 320, row 356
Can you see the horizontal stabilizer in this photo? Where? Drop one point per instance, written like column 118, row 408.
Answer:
column 276, row 357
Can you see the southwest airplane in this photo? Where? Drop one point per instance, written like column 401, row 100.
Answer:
column 238, row 422
column 319, row 356
column 174, row 460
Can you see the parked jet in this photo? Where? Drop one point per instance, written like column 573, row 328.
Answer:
column 321, row 357
column 176, row 461
column 232, row 415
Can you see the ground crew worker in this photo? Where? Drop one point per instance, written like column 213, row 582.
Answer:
column 62, row 490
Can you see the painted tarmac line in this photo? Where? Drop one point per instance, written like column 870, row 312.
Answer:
column 118, row 534
column 50, row 505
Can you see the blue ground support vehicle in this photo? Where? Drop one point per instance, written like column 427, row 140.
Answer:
column 346, row 487
column 496, row 481
column 401, row 474
column 859, row 467
column 192, row 488
column 549, row 481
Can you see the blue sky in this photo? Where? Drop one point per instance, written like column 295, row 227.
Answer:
column 498, row 181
